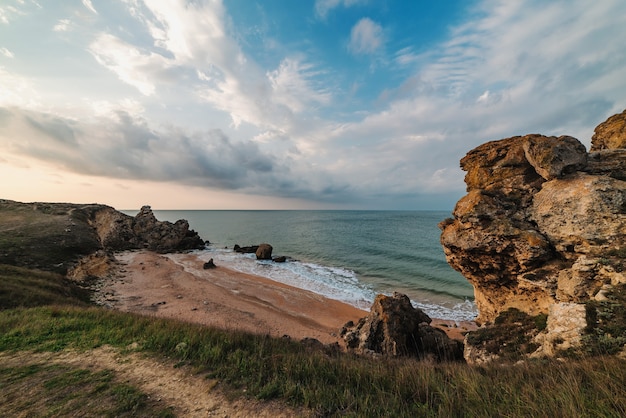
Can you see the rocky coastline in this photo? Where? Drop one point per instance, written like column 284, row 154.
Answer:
column 541, row 236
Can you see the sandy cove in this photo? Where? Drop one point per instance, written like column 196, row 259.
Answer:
column 176, row 286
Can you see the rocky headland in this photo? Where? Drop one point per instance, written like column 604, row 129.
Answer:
column 72, row 239
column 541, row 236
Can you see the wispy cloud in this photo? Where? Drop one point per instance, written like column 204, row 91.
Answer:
column 6, row 53
column 323, row 7
column 132, row 65
column 62, row 25
column 89, row 6
column 366, row 37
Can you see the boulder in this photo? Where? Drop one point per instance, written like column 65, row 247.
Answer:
column 264, row 252
column 245, row 250
column 610, row 134
column 395, row 328
column 280, row 259
column 543, row 224
column 209, row 265
column 553, row 157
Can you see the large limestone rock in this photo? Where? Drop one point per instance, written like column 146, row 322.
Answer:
column 610, row 134
column 543, row 224
column 395, row 328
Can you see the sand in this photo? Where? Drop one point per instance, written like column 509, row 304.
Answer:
column 177, row 286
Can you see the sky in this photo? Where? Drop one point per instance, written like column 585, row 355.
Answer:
column 290, row 104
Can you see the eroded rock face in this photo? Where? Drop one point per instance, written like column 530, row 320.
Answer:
column 163, row 236
column 395, row 328
column 543, row 224
column 610, row 134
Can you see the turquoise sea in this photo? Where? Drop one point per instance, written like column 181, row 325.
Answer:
column 345, row 255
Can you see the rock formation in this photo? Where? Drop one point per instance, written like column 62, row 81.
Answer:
column 55, row 236
column 395, row 328
column 542, row 228
column 264, row 252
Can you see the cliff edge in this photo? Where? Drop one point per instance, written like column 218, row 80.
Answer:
column 541, row 236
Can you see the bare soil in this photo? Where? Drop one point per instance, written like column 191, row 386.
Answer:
column 188, row 394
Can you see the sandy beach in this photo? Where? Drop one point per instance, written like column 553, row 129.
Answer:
column 177, row 286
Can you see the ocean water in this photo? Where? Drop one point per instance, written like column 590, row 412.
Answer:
column 350, row 256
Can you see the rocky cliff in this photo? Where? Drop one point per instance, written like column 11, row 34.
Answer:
column 55, row 236
column 542, row 231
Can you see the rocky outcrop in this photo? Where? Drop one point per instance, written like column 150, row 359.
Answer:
column 395, row 328
column 163, row 236
column 542, row 228
column 55, row 236
column 610, row 134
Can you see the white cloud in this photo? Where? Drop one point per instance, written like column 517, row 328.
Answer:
column 293, row 86
column 366, row 37
column 89, row 6
column 133, row 66
column 323, row 7
column 6, row 53
column 62, row 25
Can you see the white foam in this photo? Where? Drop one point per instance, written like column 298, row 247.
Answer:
column 332, row 282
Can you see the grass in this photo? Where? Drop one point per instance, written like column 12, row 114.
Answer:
column 268, row 368
column 336, row 385
column 62, row 390
column 21, row 287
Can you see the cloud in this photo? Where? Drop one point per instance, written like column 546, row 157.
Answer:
column 323, row 7
column 132, row 65
column 6, row 53
column 292, row 84
column 366, row 37
column 89, row 6
column 62, row 25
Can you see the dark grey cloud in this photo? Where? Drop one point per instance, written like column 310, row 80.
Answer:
column 126, row 147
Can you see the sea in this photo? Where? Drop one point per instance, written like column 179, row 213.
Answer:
column 350, row 256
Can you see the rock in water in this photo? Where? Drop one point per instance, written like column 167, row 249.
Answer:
column 395, row 328
column 543, row 226
column 264, row 252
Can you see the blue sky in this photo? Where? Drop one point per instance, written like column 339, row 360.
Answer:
column 243, row 104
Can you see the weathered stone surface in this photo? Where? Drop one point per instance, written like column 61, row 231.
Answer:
column 610, row 134
column 610, row 163
column 395, row 328
column 566, row 323
column 543, row 224
column 163, row 236
column 553, row 157
column 264, row 252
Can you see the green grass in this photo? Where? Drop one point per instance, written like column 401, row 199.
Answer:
column 268, row 368
column 51, row 390
column 337, row 385
column 20, row 287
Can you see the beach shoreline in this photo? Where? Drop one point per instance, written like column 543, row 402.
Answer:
column 176, row 286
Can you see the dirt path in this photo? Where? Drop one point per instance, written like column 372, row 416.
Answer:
column 191, row 395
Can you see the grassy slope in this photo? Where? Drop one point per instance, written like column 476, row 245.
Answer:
column 337, row 385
